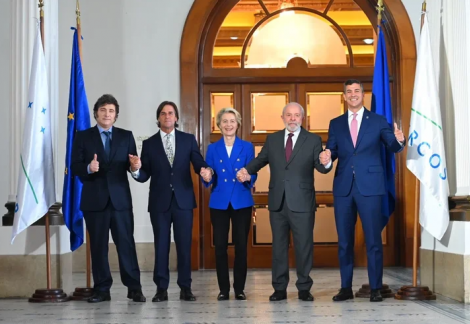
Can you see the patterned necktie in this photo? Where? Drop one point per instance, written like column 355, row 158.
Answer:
column 353, row 129
column 107, row 143
column 289, row 145
column 169, row 149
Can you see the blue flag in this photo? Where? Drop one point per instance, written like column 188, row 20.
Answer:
column 382, row 105
column 78, row 118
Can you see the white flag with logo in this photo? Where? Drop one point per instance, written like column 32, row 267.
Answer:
column 36, row 185
column 426, row 154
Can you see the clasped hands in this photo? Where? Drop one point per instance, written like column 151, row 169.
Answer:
column 325, row 157
column 135, row 162
column 206, row 174
column 242, row 175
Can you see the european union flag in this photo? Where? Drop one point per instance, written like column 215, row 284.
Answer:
column 78, row 118
column 382, row 105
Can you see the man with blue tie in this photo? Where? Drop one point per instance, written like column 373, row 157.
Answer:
column 100, row 157
column 355, row 139
column 166, row 158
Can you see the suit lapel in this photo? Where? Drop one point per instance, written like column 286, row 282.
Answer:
column 236, row 150
column 115, row 140
column 99, row 144
column 222, row 155
column 345, row 126
column 179, row 147
column 365, row 123
column 298, row 144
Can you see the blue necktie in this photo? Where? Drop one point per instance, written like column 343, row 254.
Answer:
column 107, row 144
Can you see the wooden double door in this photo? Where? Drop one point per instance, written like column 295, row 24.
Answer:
column 260, row 106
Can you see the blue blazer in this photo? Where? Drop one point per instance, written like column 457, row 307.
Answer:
column 364, row 159
column 225, row 186
column 167, row 179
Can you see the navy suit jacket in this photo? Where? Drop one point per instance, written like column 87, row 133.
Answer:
column 364, row 159
column 167, row 179
column 111, row 181
column 225, row 186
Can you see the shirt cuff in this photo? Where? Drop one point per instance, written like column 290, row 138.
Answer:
column 401, row 143
column 135, row 174
column 328, row 165
column 88, row 169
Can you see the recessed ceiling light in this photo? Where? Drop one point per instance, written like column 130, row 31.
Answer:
column 234, row 37
column 368, row 41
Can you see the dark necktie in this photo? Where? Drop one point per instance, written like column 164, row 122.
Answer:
column 107, row 143
column 289, row 145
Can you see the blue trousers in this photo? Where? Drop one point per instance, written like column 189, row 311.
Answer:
column 369, row 208
column 182, row 220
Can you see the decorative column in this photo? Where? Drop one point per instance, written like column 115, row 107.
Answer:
column 24, row 15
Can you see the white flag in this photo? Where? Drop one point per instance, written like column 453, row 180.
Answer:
column 426, row 155
column 36, row 185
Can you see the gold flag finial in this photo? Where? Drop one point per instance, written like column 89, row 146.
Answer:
column 380, row 9
column 77, row 12
column 40, row 5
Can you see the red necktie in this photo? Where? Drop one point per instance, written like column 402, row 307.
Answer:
column 289, row 145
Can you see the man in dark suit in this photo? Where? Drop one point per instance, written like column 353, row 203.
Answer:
column 355, row 139
column 100, row 157
column 166, row 158
column 292, row 155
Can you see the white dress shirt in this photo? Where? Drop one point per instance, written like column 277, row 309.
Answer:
column 359, row 116
column 229, row 149
column 172, row 139
column 294, row 138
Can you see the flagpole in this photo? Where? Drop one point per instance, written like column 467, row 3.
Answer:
column 88, row 251
column 83, row 293
column 385, row 291
column 416, row 292
column 48, row 295
column 48, row 243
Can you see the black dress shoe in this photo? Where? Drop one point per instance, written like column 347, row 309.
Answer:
column 161, row 295
column 375, row 295
column 137, row 296
column 223, row 296
column 187, row 295
column 344, row 294
column 99, row 296
column 240, row 295
column 305, row 295
column 278, row 295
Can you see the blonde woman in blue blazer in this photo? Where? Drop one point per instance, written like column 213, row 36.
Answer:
column 230, row 200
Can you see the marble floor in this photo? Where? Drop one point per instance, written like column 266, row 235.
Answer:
column 257, row 309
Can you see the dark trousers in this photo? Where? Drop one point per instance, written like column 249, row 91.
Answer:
column 182, row 220
column 369, row 208
column 241, row 221
column 121, row 223
column 301, row 224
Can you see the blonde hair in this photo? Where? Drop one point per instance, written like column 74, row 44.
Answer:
column 238, row 117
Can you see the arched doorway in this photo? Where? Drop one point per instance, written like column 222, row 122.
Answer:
column 208, row 82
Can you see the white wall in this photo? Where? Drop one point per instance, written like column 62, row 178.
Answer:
column 131, row 50
column 5, row 89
